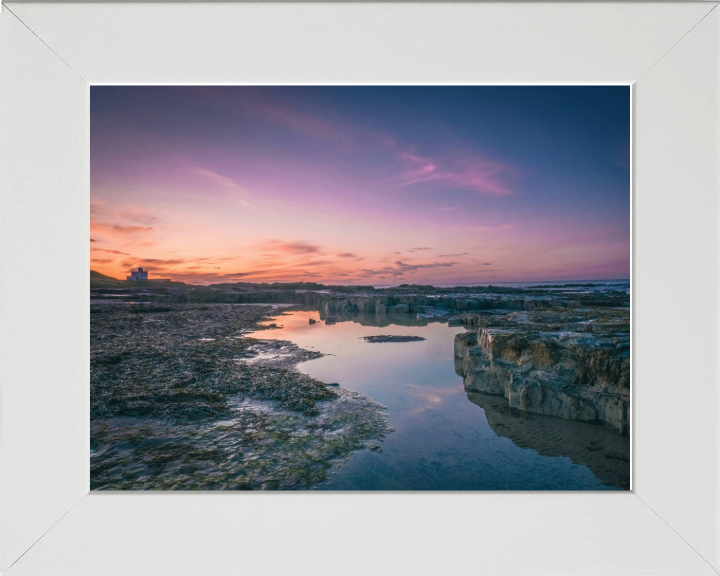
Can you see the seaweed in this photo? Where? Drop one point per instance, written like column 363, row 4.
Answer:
column 176, row 404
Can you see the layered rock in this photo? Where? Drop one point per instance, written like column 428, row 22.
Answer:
column 401, row 299
column 571, row 363
column 412, row 304
column 526, row 300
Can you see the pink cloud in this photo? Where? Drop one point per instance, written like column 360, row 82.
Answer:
column 215, row 184
column 118, row 228
column 100, row 210
column 463, row 171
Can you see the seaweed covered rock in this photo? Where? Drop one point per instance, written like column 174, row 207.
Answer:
column 182, row 398
column 381, row 339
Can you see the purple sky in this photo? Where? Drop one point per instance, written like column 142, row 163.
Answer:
column 361, row 185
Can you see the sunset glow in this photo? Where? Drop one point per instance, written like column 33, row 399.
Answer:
column 361, row 185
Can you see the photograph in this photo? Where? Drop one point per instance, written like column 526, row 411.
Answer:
column 360, row 287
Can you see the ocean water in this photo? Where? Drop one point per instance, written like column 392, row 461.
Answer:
column 444, row 437
column 621, row 285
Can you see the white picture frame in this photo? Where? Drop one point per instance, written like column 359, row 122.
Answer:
column 50, row 53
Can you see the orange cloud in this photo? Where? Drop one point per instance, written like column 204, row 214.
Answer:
column 110, row 251
column 292, row 247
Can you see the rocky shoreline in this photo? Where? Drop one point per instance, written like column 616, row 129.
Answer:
column 183, row 399
column 570, row 363
column 559, row 350
column 562, row 353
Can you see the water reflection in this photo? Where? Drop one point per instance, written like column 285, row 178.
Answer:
column 375, row 319
column 442, row 441
column 606, row 453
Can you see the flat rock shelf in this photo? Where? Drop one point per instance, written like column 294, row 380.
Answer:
column 380, row 339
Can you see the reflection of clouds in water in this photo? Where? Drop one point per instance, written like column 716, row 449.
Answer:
column 442, row 440
column 428, row 397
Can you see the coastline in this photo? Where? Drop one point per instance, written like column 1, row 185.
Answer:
column 183, row 399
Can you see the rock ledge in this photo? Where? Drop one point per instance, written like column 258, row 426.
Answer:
column 573, row 364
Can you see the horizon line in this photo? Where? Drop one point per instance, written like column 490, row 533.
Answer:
column 445, row 284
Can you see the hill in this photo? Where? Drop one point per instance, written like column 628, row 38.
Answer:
column 98, row 280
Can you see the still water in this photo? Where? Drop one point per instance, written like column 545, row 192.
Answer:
column 444, row 438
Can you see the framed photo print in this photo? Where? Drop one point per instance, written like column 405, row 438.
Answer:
column 373, row 289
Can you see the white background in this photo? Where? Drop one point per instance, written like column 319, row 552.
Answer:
column 50, row 53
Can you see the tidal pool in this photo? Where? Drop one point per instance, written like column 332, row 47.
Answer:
column 445, row 438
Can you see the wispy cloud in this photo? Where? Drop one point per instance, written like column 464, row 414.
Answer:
column 400, row 268
column 118, row 228
column 109, row 251
column 220, row 184
column 409, row 267
column 101, row 211
column 461, row 170
column 303, row 122
column 218, row 179
column 317, row 263
column 161, row 262
column 297, row 247
column 139, row 215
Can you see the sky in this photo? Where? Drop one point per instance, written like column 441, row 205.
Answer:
column 371, row 185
